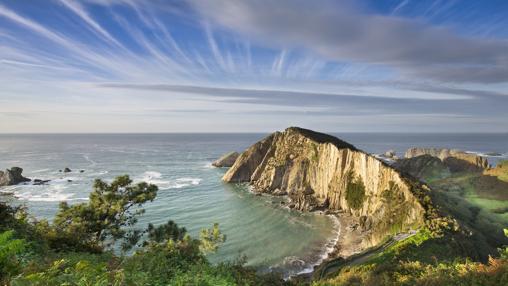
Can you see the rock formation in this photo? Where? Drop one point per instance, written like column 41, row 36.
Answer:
column 227, row 160
column 456, row 160
column 12, row 177
column 319, row 171
column 423, row 167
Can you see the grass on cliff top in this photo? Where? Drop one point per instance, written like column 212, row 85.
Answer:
column 422, row 260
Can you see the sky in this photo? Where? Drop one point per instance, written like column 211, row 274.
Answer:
column 119, row 66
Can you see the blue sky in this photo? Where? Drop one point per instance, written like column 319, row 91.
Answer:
column 253, row 66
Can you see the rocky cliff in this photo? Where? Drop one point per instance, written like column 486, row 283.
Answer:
column 318, row 171
column 456, row 160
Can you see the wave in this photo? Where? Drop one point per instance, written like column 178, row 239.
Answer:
column 186, row 182
column 489, row 154
column 154, row 177
column 328, row 249
column 87, row 158
column 54, row 193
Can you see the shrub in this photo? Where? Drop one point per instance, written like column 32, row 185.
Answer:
column 355, row 192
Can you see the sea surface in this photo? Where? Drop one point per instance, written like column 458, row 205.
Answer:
column 191, row 193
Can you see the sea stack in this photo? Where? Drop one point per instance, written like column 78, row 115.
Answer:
column 319, row 171
column 12, row 177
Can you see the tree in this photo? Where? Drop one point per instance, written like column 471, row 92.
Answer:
column 111, row 210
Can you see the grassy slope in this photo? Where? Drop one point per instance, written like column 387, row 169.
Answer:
column 424, row 259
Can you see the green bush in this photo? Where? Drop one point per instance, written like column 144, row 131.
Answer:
column 355, row 192
column 10, row 251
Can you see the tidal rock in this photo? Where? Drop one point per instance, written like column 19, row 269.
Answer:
column 423, row 167
column 40, row 182
column 12, row 177
column 323, row 172
column 455, row 160
column 227, row 160
column 67, row 170
column 389, row 154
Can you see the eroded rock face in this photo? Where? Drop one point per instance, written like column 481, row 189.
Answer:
column 227, row 160
column 456, row 160
column 12, row 177
column 423, row 167
column 319, row 171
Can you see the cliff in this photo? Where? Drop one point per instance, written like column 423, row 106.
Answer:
column 319, row 171
column 456, row 160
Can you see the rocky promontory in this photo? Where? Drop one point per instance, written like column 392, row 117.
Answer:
column 12, row 177
column 456, row 160
column 226, row 161
column 319, row 171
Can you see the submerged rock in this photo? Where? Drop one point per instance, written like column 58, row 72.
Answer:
column 12, row 177
column 319, row 171
column 455, row 160
column 40, row 182
column 227, row 160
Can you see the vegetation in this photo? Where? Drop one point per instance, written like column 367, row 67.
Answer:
column 422, row 259
column 78, row 247
column 355, row 192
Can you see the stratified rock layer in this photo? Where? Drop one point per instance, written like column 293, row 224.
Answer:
column 12, row 177
column 227, row 160
column 456, row 160
column 318, row 170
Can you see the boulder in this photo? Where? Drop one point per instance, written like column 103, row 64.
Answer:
column 12, row 177
column 227, row 160
column 67, row 170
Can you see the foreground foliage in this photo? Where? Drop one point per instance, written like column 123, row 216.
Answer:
column 78, row 247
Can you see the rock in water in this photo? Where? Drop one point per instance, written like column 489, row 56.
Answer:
column 423, row 167
column 227, row 160
column 390, row 154
column 456, row 160
column 319, row 171
column 12, row 177
column 67, row 170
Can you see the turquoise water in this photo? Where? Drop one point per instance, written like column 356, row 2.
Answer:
column 190, row 190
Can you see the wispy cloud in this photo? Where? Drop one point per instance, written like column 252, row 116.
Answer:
column 257, row 63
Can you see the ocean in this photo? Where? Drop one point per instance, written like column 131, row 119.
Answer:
column 191, row 192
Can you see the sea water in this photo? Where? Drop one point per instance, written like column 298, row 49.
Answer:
column 191, row 192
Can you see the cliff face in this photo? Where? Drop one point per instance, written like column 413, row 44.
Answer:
column 321, row 171
column 456, row 160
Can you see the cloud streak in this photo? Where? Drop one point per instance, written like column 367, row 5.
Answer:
column 344, row 33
